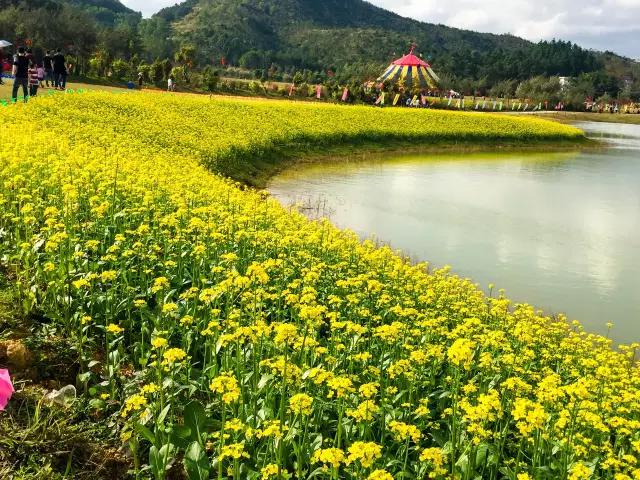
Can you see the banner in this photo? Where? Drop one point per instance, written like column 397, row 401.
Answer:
column 345, row 94
column 484, row 104
column 423, row 100
column 494, row 104
column 318, row 92
column 380, row 100
column 395, row 99
column 500, row 106
column 459, row 105
column 292, row 89
column 450, row 99
column 414, row 101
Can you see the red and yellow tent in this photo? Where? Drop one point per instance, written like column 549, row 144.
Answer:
column 410, row 72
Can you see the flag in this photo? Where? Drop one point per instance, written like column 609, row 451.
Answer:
column 395, row 99
column 459, row 104
column 380, row 100
column 292, row 89
column 423, row 99
column 450, row 99
column 494, row 104
column 484, row 104
column 318, row 92
column 345, row 94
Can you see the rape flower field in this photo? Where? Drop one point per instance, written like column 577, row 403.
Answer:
column 221, row 333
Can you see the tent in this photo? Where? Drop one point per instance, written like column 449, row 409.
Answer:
column 410, row 72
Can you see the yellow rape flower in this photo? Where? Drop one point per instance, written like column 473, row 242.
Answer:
column 227, row 386
column 366, row 453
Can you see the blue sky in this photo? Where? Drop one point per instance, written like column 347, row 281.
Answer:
column 600, row 24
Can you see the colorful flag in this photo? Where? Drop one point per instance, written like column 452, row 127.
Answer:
column 380, row 100
column 345, row 94
column 395, row 99
column 318, row 92
column 292, row 89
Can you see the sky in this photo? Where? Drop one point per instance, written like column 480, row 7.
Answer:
column 600, row 24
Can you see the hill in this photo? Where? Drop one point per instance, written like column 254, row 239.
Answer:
column 334, row 34
column 105, row 12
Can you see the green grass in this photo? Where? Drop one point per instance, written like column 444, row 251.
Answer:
column 40, row 440
column 7, row 86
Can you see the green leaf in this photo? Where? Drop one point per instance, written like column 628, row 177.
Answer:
column 195, row 417
column 181, row 436
column 163, row 413
column 146, row 433
column 196, row 462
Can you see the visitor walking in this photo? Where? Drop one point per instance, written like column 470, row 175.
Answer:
column 41, row 75
column 60, row 70
column 21, row 74
column 34, row 81
column 47, row 63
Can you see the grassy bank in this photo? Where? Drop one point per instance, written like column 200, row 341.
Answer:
column 212, row 332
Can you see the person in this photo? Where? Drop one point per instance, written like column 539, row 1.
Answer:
column 1, row 66
column 140, row 80
column 60, row 70
column 47, row 62
column 41, row 75
column 34, row 81
column 171, row 84
column 21, row 74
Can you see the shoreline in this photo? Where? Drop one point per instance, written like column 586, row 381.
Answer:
column 279, row 160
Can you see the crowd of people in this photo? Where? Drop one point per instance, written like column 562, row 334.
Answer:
column 31, row 74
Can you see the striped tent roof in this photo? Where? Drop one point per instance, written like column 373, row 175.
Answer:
column 410, row 72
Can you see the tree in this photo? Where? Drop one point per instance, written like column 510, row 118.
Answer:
column 251, row 60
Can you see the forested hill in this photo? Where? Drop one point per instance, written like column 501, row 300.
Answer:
column 331, row 34
column 322, row 40
column 105, row 12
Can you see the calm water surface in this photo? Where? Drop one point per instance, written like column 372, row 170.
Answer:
column 558, row 230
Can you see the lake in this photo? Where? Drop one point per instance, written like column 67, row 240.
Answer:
column 560, row 231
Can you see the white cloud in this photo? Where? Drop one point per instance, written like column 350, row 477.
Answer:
column 600, row 24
